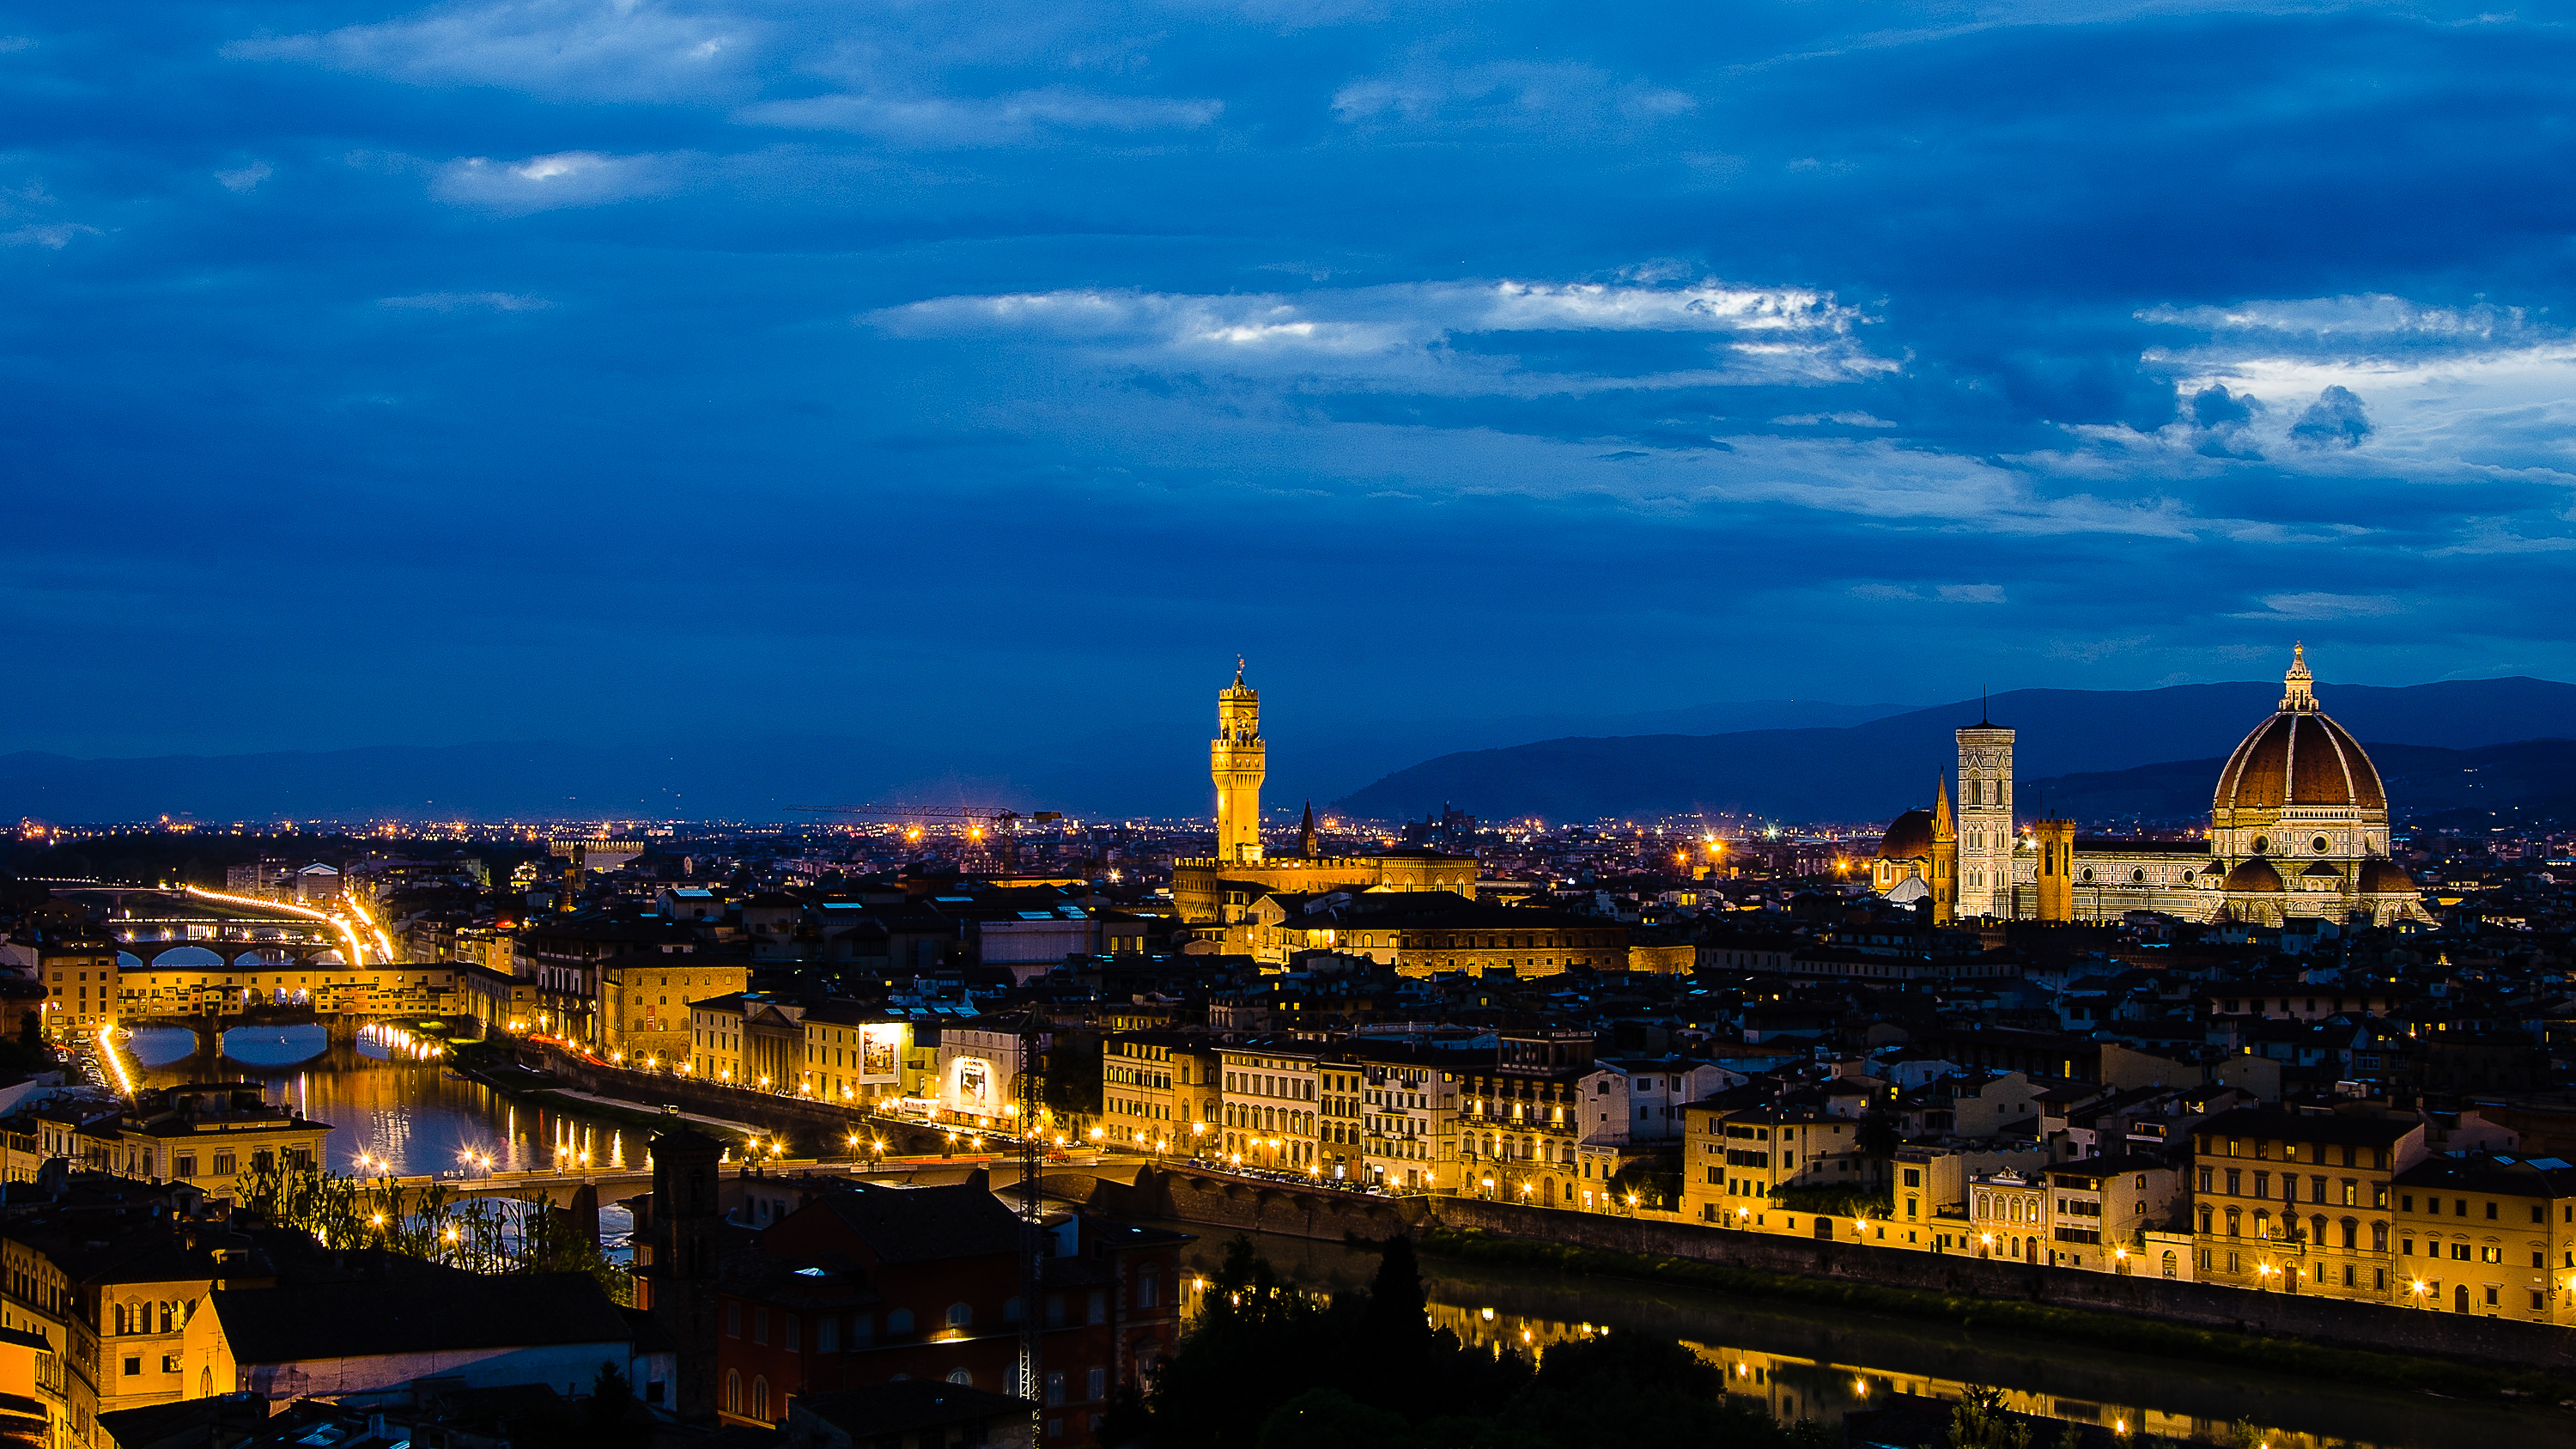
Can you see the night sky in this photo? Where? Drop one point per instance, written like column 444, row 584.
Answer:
column 573, row 370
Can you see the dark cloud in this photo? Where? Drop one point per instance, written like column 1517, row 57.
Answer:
column 2334, row 420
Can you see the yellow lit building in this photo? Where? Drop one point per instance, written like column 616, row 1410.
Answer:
column 715, row 1038
column 2302, row 1204
column 2488, row 1234
column 643, row 1016
column 81, row 977
column 851, row 1055
column 1267, row 1104
column 1162, row 1091
column 1741, row 1165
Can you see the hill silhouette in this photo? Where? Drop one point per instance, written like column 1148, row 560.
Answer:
column 1873, row 770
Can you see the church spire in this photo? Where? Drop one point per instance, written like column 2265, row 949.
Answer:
column 2298, row 687
column 1307, row 845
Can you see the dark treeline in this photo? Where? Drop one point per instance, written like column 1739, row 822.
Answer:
column 1267, row 1367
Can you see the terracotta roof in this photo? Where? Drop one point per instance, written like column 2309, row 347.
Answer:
column 1909, row 838
column 2298, row 757
column 2253, row 875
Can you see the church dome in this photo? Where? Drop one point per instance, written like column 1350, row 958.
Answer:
column 1909, row 838
column 2385, row 875
column 2299, row 757
column 2253, row 875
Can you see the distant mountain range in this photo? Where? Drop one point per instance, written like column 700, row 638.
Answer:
column 1159, row 769
column 1872, row 770
column 1780, row 759
column 2426, row 784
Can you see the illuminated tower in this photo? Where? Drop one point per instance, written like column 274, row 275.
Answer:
column 1945, row 857
column 1985, row 820
column 1235, row 762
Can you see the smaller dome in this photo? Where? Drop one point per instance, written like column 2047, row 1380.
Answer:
column 2253, row 875
column 2385, row 875
column 1909, row 838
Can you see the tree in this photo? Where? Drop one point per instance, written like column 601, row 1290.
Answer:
column 1981, row 1422
column 612, row 1412
column 1331, row 1419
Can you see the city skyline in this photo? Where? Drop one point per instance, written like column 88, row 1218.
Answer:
column 492, row 364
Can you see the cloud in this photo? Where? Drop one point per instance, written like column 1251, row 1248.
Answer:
column 541, row 183
column 1941, row 593
column 1846, row 419
column 2324, row 606
column 600, row 49
column 2334, row 420
column 932, row 122
column 1507, row 94
column 466, row 302
column 53, row 236
column 245, row 178
column 2351, row 386
column 11, row 44
column 1408, row 334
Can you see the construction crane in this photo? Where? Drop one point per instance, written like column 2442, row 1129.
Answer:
column 981, row 824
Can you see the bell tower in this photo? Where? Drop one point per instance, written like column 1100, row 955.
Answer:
column 1236, row 763
column 1985, row 820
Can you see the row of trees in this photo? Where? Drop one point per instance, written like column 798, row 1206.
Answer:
column 480, row 1234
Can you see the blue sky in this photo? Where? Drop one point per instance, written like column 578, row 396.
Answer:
column 478, row 371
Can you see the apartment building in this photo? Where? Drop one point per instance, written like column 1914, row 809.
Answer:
column 1162, row 1091
column 2101, row 1214
column 2487, row 1233
column 1747, row 1167
column 1521, row 1119
column 2300, row 1203
column 1272, row 1087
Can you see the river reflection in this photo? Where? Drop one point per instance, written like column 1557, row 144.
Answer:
column 1808, row 1363
column 390, row 1113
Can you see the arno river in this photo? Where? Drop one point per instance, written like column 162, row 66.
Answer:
column 1802, row 1362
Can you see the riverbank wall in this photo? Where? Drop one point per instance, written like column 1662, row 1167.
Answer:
column 1222, row 1201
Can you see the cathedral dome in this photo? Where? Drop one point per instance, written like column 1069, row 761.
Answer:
column 2298, row 757
column 1909, row 838
column 2253, row 875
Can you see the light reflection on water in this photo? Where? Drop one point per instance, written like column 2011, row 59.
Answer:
column 409, row 1118
column 1816, row 1363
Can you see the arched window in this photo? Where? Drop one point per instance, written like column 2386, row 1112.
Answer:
column 2317, row 1231
column 2172, row 1267
column 961, row 1377
column 960, row 1315
column 2351, row 1233
column 2379, row 1237
column 2235, row 1222
column 760, row 1399
column 733, row 1391
column 1148, row 1289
